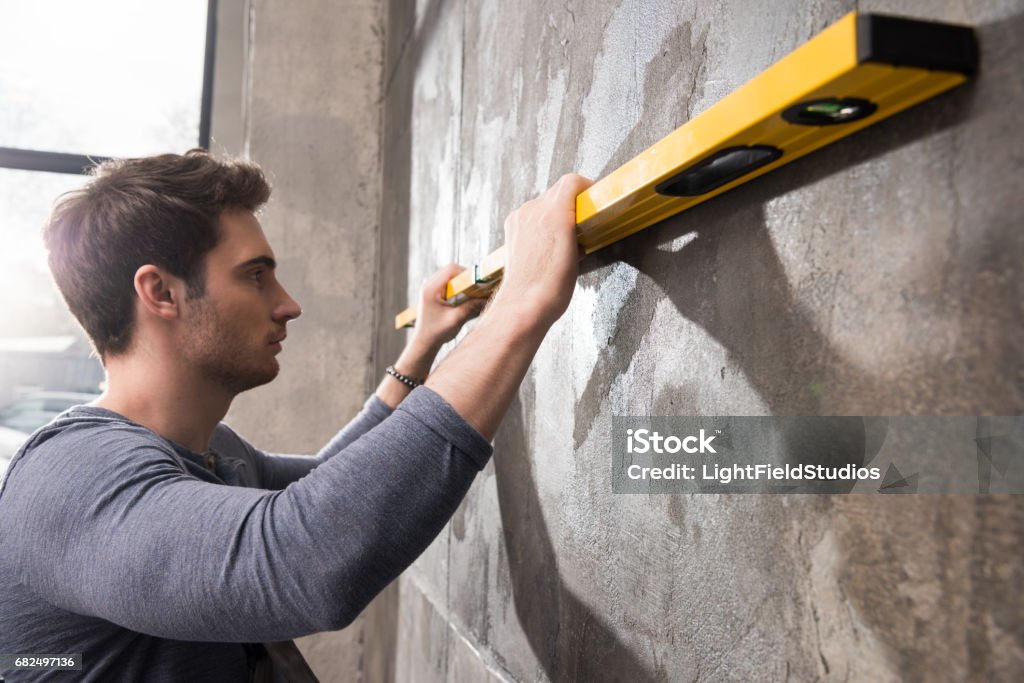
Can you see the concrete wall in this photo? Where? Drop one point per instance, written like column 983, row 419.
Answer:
column 880, row 276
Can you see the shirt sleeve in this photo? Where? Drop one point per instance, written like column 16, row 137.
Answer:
column 277, row 470
column 120, row 532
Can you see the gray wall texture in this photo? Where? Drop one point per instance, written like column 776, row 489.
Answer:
column 879, row 276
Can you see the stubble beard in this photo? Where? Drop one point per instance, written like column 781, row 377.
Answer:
column 215, row 350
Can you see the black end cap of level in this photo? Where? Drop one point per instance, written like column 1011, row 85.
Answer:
column 923, row 44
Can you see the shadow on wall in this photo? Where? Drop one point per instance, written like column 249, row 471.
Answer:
column 588, row 649
column 749, row 309
column 731, row 282
column 752, row 313
column 570, row 641
column 380, row 637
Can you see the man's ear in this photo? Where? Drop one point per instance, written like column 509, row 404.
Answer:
column 159, row 292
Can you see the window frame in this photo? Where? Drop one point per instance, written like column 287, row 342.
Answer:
column 77, row 164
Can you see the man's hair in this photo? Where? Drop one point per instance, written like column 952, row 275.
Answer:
column 162, row 210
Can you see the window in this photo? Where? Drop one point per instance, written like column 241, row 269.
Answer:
column 79, row 82
column 113, row 78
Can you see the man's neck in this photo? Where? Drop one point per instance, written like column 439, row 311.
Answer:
column 172, row 401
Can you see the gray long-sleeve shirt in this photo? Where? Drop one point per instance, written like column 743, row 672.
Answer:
column 122, row 545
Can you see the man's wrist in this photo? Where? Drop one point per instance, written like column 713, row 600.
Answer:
column 522, row 320
column 416, row 360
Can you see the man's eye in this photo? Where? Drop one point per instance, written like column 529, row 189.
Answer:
column 257, row 275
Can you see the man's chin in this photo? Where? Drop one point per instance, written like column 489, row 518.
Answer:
column 251, row 380
column 269, row 375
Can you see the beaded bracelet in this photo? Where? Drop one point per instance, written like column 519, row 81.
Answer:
column 407, row 381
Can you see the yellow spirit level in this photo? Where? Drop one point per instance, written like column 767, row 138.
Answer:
column 857, row 72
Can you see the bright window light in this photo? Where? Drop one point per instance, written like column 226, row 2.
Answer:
column 108, row 78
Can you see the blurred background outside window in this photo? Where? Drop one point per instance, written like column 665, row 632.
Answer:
column 111, row 78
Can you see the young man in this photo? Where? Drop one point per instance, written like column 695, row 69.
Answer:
column 146, row 535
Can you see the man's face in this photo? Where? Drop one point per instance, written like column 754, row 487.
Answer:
column 233, row 333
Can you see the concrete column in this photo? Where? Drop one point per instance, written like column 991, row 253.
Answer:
column 310, row 87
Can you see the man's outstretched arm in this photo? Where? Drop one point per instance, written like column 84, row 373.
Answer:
column 149, row 547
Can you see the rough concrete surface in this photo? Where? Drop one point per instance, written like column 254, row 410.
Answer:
column 880, row 276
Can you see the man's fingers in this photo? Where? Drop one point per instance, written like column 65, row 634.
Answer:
column 434, row 287
column 469, row 309
column 570, row 185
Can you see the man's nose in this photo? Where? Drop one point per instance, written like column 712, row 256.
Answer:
column 288, row 308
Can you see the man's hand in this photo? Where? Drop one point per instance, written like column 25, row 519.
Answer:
column 480, row 377
column 542, row 255
column 436, row 324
